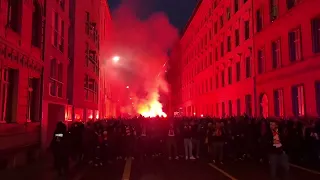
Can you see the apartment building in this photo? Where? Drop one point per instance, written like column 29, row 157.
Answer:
column 21, row 75
column 56, row 63
column 84, row 55
column 287, row 49
column 217, row 77
column 107, row 98
column 254, row 57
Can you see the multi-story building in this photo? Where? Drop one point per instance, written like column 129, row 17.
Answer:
column 174, row 80
column 287, row 49
column 21, row 71
column 56, row 63
column 255, row 57
column 84, row 55
column 107, row 101
column 216, row 49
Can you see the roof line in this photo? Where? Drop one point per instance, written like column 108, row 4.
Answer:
column 195, row 10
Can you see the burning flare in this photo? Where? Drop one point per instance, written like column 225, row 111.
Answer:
column 151, row 107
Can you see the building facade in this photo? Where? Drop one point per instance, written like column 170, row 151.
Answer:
column 174, row 80
column 21, row 74
column 56, row 63
column 84, row 54
column 254, row 57
column 107, row 100
column 287, row 49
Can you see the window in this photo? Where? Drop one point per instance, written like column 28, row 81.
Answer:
column 236, row 5
column 244, row 1
column 230, row 75
column 317, row 89
column 215, row 27
column 238, row 71
column 222, row 79
column 217, row 81
column 61, row 4
column 276, row 56
column 273, row 10
column 261, row 61
column 315, row 26
column 215, row 3
column 216, row 54
column 57, row 36
column 217, row 110
column 56, row 79
column 207, row 87
column 90, row 89
column 9, row 92
column 228, row 13
column 230, row 107
column 248, row 67
column 33, row 99
column 229, row 43
column 210, row 58
column 259, row 20
column 238, row 107
column 36, row 25
column 298, row 100
column 246, row 30
column 211, row 81
column 295, row 45
column 221, row 21
column 278, row 103
column 237, row 37
column 14, row 15
column 248, row 100
column 221, row 49
column 223, row 109
column 292, row 3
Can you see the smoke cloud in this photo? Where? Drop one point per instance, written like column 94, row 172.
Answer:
column 142, row 45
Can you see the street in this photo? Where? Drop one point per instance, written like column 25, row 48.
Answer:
column 160, row 169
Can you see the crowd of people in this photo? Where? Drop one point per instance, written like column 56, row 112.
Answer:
column 215, row 140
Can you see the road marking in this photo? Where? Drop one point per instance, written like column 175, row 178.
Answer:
column 223, row 172
column 305, row 169
column 127, row 169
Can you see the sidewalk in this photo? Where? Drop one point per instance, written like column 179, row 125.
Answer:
column 40, row 170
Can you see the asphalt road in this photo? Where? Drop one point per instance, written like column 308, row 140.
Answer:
column 161, row 169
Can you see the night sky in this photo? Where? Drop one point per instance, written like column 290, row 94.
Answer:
column 178, row 11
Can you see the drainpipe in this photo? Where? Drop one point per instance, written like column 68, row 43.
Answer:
column 253, row 62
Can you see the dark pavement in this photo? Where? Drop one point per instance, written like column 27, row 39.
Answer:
column 160, row 169
column 112, row 171
column 174, row 170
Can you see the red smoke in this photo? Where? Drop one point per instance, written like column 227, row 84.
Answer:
column 142, row 45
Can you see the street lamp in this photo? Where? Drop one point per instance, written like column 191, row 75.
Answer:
column 115, row 59
column 127, row 87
